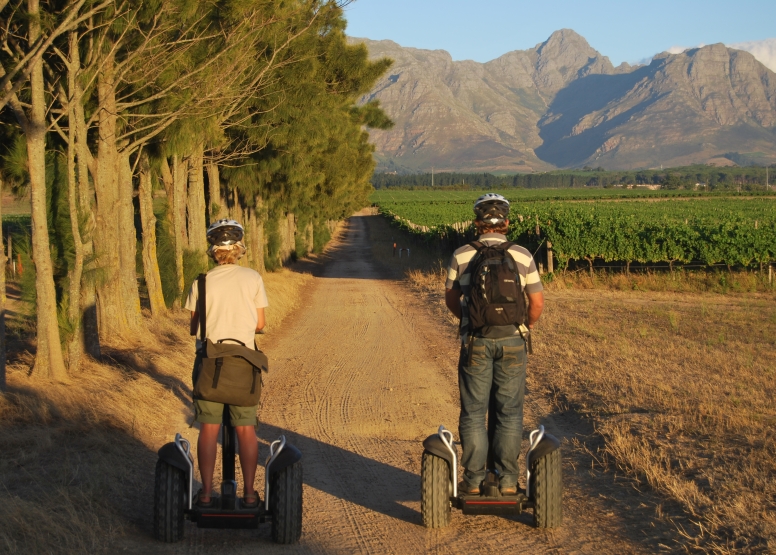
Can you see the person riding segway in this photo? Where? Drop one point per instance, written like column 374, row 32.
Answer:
column 487, row 284
column 235, row 312
column 227, row 309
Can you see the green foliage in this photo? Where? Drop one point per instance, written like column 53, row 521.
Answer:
column 194, row 263
column 736, row 232
column 316, row 159
column 321, row 235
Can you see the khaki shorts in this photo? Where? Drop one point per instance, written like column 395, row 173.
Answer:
column 209, row 412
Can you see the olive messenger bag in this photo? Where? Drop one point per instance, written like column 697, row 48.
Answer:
column 229, row 373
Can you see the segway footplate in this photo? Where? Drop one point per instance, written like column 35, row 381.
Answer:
column 486, row 505
column 217, row 517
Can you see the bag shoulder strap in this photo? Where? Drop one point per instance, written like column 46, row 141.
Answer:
column 201, row 306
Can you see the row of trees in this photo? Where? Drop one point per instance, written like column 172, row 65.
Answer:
column 712, row 178
column 132, row 120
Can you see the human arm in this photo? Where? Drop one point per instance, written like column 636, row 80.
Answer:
column 260, row 320
column 194, row 323
column 535, row 307
column 453, row 301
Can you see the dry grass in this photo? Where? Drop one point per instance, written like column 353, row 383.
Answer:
column 77, row 459
column 681, row 387
column 680, row 281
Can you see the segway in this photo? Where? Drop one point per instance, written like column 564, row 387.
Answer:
column 439, row 482
column 174, row 498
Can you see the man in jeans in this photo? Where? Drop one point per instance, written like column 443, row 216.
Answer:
column 498, row 356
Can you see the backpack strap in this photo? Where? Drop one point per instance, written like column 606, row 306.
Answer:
column 201, row 306
column 477, row 245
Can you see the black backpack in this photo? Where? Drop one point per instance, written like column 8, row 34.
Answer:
column 496, row 297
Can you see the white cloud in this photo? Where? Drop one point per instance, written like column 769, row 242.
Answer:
column 763, row 50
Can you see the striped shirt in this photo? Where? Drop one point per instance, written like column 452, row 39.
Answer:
column 458, row 278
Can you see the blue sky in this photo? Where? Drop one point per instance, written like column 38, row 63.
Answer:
column 622, row 30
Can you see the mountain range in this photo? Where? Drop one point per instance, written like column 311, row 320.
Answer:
column 562, row 104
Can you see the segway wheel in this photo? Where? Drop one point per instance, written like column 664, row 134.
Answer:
column 285, row 503
column 170, row 493
column 546, row 490
column 436, row 489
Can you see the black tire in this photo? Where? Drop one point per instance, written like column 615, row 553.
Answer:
column 285, row 503
column 547, row 490
column 170, row 491
column 436, row 489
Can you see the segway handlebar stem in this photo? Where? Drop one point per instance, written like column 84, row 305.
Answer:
column 447, row 438
column 541, row 444
column 273, row 454
column 184, row 447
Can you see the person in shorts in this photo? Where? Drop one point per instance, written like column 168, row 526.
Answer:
column 235, row 302
column 498, row 358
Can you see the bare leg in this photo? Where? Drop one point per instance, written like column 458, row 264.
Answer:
column 207, row 446
column 249, row 455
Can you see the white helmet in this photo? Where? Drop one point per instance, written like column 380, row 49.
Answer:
column 225, row 232
column 491, row 208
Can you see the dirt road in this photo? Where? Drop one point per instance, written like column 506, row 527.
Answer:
column 358, row 378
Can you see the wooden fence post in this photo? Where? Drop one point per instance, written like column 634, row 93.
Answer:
column 550, row 264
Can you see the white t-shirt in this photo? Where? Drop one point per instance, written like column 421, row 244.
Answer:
column 233, row 293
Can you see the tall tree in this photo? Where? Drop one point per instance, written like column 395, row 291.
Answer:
column 48, row 357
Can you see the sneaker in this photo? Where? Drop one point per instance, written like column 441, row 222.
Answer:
column 466, row 489
column 508, row 490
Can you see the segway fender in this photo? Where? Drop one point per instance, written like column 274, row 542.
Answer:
column 170, row 454
column 546, row 445
column 288, row 456
column 434, row 445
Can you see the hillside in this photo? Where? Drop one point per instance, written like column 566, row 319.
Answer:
column 563, row 104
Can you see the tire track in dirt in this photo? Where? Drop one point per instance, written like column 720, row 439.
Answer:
column 359, row 376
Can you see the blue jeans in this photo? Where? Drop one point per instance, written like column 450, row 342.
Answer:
column 498, row 365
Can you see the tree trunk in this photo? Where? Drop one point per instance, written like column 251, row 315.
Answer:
column 255, row 241
column 84, row 160
column 148, row 222
column 180, row 174
column 3, row 262
column 75, row 345
column 216, row 209
column 48, row 357
column 286, row 228
column 178, row 207
column 196, row 209
column 130, row 294
column 309, row 238
column 168, row 178
column 112, row 318
column 590, row 261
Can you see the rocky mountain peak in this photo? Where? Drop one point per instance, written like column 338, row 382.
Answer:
column 563, row 104
column 564, row 57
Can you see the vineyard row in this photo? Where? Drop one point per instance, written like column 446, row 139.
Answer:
column 708, row 235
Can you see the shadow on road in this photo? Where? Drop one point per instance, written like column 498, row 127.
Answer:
column 352, row 477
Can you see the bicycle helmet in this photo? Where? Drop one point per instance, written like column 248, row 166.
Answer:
column 491, row 208
column 225, row 232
